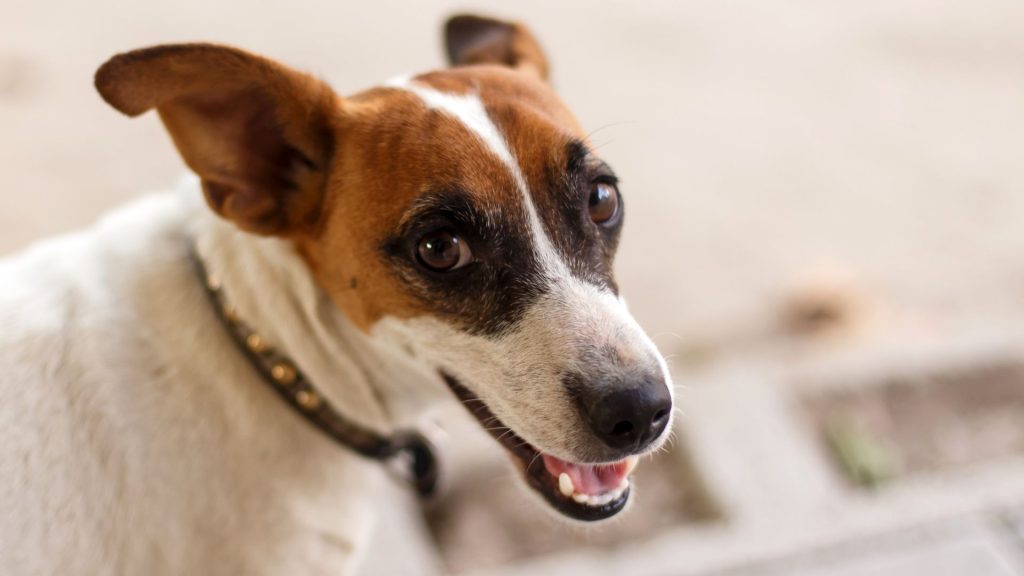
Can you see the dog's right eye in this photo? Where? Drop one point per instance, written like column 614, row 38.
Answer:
column 443, row 251
column 603, row 203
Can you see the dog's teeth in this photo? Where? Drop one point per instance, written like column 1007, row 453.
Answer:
column 566, row 487
column 597, row 500
column 565, row 484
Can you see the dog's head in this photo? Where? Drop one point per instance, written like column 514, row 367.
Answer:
column 460, row 214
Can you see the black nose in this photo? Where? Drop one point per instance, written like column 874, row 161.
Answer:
column 630, row 418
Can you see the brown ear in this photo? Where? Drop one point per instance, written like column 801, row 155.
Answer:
column 477, row 40
column 258, row 134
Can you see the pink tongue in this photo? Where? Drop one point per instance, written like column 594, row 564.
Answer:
column 591, row 479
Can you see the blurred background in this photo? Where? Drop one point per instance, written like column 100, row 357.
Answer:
column 825, row 236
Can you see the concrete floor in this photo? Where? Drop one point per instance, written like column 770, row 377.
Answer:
column 765, row 150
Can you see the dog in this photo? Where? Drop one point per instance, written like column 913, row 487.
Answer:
column 443, row 236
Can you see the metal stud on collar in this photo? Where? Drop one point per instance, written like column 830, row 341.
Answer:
column 412, row 451
column 283, row 374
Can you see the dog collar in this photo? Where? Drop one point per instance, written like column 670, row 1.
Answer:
column 408, row 448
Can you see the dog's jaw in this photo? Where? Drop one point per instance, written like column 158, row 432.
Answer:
column 511, row 386
column 584, row 492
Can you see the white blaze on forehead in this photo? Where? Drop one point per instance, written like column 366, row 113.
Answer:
column 470, row 112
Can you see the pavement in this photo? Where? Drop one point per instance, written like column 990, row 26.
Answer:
column 821, row 197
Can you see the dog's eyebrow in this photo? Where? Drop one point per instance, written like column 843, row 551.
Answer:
column 580, row 160
column 454, row 203
column 576, row 153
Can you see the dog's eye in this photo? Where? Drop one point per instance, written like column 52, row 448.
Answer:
column 603, row 202
column 443, row 251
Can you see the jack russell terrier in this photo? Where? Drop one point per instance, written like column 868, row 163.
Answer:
column 177, row 379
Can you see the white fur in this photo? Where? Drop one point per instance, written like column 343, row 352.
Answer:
column 138, row 440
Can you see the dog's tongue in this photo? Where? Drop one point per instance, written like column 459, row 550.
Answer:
column 591, row 479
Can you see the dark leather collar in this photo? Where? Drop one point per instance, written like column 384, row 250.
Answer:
column 409, row 448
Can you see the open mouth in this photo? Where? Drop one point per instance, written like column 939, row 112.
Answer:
column 586, row 492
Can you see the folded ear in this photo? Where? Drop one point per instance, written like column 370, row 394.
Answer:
column 258, row 134
column 477, row 40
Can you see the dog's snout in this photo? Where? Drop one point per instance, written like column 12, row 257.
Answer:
column 630, row 418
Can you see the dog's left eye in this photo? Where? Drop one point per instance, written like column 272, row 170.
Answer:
column 443, row 251
column 603, row 202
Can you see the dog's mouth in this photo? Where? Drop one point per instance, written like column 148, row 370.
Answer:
column 586, row 492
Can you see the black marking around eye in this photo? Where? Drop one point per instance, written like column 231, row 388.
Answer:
column 587, row 248
column 506, row 276
column 489, row 295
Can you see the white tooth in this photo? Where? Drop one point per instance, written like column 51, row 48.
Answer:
column 565, row 484
column 601, row 500
column 581, row 498
column 615, row 494
column 623, row 485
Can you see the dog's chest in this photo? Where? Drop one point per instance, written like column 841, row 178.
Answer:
column 137, row 438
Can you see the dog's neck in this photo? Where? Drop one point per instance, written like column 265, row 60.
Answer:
column 372, row 382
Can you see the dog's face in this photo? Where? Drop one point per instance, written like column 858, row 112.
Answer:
column 460, row 215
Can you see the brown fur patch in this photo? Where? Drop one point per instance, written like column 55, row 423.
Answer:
column 257, row 133
column 476, row 40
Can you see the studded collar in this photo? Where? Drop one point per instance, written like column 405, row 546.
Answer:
column 407, row 448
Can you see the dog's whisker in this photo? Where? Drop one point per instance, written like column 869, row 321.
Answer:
column 601, row 145
column 521, row 444
column 673, row 334
column 534, row 459
column 507, row 432
column 609, row 125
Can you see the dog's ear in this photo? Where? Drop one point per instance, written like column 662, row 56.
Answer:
column 258, row 134
column 477, row 40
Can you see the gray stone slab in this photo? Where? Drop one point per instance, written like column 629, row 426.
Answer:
column 1016, row 520
column 964, row 555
